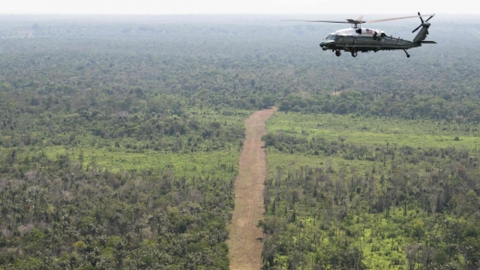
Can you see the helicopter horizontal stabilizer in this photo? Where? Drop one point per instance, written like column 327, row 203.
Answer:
column 428, row 42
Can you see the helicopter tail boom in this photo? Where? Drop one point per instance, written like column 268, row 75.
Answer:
column 424, row 31
column 422, row 34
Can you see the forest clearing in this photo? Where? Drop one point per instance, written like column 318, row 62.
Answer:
column 245, row 242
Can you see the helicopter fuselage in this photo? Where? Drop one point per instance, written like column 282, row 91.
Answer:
column 363, row 40
column 357, row 39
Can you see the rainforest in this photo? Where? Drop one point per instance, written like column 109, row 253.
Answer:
column 124, row 141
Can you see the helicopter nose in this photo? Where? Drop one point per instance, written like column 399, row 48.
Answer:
column 325, row 45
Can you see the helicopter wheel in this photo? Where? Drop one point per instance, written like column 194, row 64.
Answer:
column 338, row 53
column 354, row 54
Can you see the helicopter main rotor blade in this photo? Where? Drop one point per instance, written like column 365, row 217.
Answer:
column 316, row 21
column 398, row 18
column 359, row 20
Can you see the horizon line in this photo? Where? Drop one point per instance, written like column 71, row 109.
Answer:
column 207, row 14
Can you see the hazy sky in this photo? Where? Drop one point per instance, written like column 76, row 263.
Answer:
column 237, row 7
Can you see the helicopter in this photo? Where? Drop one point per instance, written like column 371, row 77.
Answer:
column 357, row 39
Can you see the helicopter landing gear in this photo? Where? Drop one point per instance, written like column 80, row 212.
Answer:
column 354, row 53
column 338, row 53
column 408, row 55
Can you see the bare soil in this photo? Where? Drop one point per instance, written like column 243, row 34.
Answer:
column 246, row 242
column 338, row 93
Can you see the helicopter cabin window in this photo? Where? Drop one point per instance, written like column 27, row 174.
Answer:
column 348, row 40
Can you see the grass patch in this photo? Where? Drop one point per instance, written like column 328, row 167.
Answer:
column 377, row 130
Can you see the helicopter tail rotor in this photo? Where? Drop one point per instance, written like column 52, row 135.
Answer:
column 423, row 33
column 423, row 22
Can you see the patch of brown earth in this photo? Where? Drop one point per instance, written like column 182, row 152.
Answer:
column 338, row 93
column 246, row 243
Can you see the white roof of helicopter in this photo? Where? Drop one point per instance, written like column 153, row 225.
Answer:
column 353, row 32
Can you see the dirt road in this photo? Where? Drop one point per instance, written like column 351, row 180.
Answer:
column 245, row 243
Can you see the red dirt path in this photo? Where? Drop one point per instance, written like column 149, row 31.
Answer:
column 246, row 243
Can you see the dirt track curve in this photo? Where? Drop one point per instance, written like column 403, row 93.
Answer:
column 245, row 243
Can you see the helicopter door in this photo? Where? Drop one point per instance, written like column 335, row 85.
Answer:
column 348, row 42
column 341, row 41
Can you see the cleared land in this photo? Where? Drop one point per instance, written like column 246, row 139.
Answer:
column 245, row 243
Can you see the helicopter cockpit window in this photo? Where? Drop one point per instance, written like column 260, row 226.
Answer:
column 331, row 37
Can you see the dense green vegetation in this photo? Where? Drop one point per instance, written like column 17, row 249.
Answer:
column 357, row 202
column 104, row 166
column 403, row 105
column 57, row 215
column 120, row 137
